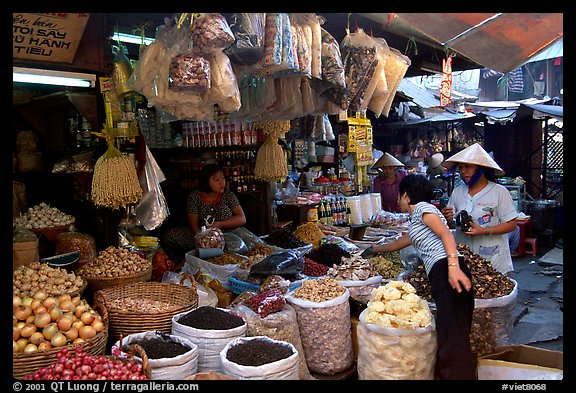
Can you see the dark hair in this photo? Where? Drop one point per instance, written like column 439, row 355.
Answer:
column 205, row 174
column 418, row 188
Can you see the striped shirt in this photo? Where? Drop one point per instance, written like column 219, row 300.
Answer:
column 424, row 240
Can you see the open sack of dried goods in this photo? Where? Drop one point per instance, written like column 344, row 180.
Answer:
column 210, row 328
column 260, row 358
column 358, row 275
column 323, row 313
column 170, row 357
column 494, row 304
column 396, row 335
column 267, row 314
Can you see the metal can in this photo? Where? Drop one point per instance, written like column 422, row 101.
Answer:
column 312, row 214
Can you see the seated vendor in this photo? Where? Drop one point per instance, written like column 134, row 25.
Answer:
column 209, row 205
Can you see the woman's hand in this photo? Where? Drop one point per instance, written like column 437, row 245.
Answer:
column 477, row 230
column 458, row 280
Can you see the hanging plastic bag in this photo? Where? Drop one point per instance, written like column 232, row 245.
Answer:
column 152, row 210
column 248, row 29
column 209, row 32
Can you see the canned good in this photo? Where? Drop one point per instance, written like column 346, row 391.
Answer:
column 313, row 214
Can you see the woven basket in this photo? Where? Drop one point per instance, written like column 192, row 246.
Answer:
column 124, row 322
column 51, row 233
column 96, row 284
column 28, row 362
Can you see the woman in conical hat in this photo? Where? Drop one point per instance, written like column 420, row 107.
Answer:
column 487, row 202
column 388, row 181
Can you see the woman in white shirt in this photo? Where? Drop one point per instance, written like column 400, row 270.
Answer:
column 488, row 203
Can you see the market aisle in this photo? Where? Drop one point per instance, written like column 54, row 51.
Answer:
column 539, row 319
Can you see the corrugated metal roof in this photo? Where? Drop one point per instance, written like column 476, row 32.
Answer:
column 419, row 95
column 434, row 119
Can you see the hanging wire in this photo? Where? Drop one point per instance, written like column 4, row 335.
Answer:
column 409, row 45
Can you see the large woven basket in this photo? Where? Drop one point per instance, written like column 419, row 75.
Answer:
column 28, row 362
column 97, row 283
column 178, row 297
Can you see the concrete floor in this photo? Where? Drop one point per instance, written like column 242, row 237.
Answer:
column 539, row 319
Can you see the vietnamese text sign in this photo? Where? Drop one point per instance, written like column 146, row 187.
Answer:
column 52, row 37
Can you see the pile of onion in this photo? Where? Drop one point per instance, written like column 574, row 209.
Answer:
column 42, row 321
column 75, row 364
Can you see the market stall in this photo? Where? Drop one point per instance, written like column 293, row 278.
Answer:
column 281, row 105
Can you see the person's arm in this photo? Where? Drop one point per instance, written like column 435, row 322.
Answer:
column 237, row 220
column 498, row 229
column 401, row 242
column 458, row 280
column 194, row 222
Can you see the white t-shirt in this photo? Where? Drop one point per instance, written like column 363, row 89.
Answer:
column 491, row 206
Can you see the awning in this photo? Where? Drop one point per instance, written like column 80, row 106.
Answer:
column 421, row 96
column 444, row 117
column 542, row 111
column 499, row 41
column 508, row 111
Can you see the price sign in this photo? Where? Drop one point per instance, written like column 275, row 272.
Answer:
column 52, row 37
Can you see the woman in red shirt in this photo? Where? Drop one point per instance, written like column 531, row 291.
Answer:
column 390, row 172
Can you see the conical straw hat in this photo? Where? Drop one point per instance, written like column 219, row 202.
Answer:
column 474, row 154
column 435, row 160
column 387, row 159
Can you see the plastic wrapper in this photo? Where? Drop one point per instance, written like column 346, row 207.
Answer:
column 350, row 247
column 325, row 332
column 224, row 90
column 395, row 354
column 189, row 72
column 248, row 29
column 211, row 31
column 492, row 322
column 278, row 52
column 333, row 82
column 282, row 263
column 274, row 282
column 267, row 302
column 209, row 237
column 234, row 243
column 359, row 59
column 249, row 238
column 152, row 210
column 76, row 241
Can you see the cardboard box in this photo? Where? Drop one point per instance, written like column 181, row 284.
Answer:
column 517, row 362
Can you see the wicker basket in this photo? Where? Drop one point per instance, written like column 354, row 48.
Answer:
column 124, row 322
column 96, row 284
column 28, row 362
column 51, row 233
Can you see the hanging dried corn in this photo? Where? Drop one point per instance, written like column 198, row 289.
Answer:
column 273, row 127
column 115, row 182
column 270, row 161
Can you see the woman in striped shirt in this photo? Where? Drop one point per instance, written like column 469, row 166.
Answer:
column 450, row 278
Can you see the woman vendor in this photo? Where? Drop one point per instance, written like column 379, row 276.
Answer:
column 390, row 172
column 209, row 205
